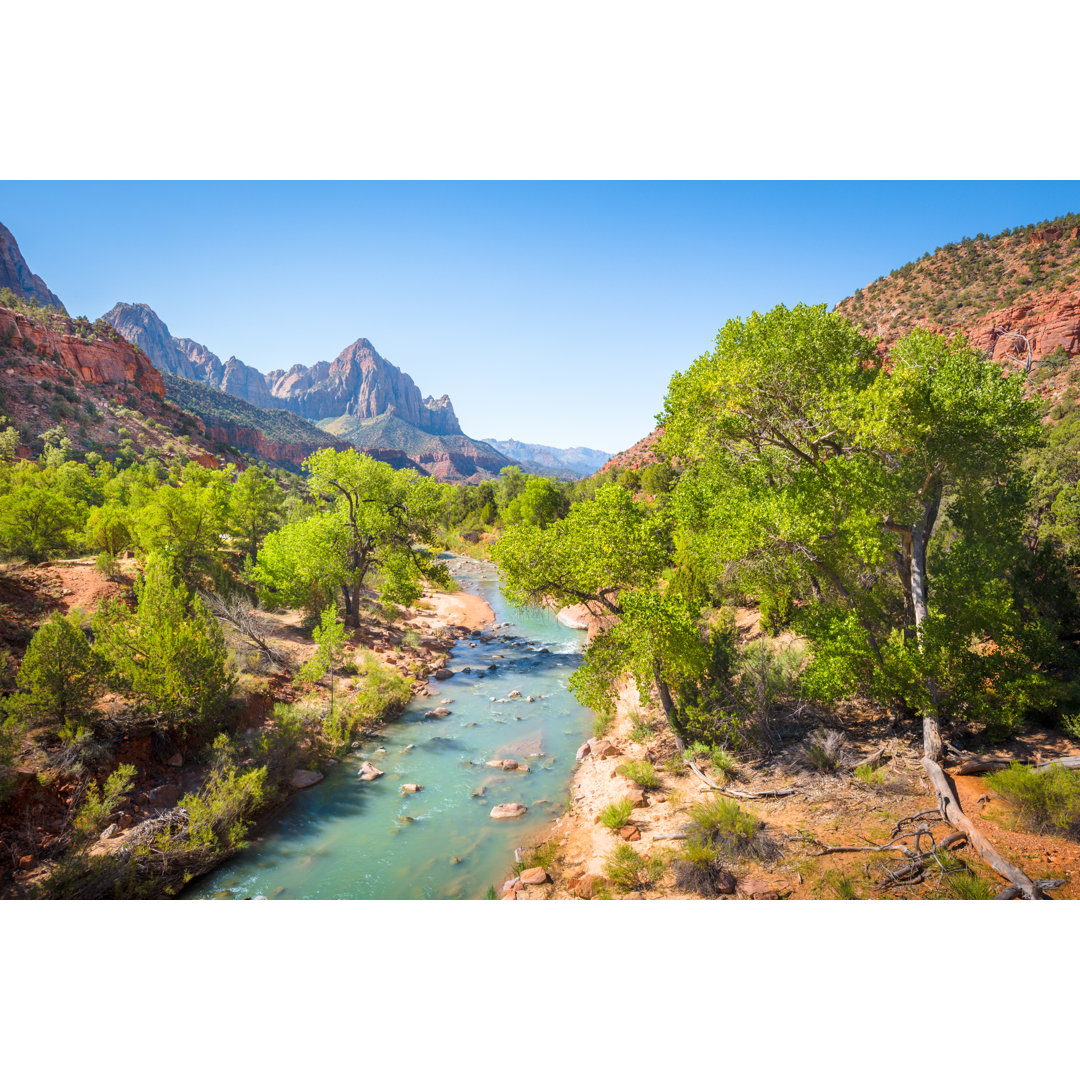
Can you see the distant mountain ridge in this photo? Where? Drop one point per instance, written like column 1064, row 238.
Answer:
column 19, row 278
column 572, row 463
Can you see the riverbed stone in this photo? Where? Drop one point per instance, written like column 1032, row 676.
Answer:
column 444, row 673
column 513, row 694
column 508, row 810
column 436, row 714
column 303, row 778
column 411, row 789
column 369, row 772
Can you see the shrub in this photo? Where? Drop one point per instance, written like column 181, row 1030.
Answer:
column 99, row 805
column 721, row 761
column 107, row 566
column 823, row 750
column 603, row 721
column 628, row 870
column 643, row 729
column 1046, row 800
column 641, row 773
column 286, row 744
column 617, row 814
column 544, row 855
column 729, row 830
column 698, row 868
column 867, row 774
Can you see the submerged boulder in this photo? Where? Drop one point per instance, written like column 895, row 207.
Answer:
column 303, row 778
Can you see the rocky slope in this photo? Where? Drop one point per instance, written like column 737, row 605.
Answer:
column 97, row 359
column 1024, row 281
column 188, row 359
column 639, row 455
column 567, row 464
column 17, row 276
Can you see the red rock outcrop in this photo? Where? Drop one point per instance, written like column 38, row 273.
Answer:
column 102, row 362
column 642, row 453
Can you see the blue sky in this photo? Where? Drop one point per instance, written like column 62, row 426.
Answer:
column 549, row 312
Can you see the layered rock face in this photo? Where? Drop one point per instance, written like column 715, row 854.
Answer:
column 188, row 359
column 17, row 276
column 359, row 382
column 102, row 361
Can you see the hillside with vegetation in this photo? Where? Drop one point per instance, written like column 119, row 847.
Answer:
column 958, row 284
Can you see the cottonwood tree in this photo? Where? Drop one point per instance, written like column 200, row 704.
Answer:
column 883, row 491
column 373, row 520
column 607, row 553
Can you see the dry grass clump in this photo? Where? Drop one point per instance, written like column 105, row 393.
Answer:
column 821, row 751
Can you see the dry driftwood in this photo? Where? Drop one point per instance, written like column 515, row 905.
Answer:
column 777, row 793
column 974, row 766
column 949, row 805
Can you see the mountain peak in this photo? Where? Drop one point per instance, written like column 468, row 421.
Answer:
column 18, row 277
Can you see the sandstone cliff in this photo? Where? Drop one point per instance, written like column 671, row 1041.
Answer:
column 360, row 383
column 17, row 276
column 105, row 361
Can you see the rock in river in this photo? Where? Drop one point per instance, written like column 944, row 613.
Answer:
column 508, row 810
column 303, row 778
column 369, row 772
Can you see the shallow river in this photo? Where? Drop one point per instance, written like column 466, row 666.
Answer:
column 347, row 838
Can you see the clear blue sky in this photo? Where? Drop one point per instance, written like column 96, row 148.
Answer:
column 549, row 312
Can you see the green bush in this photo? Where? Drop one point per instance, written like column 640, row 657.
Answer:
column 640, row 772
column 1046, row 800
column 100, row 804
column 730, row 831
column 617, row 814
column 627, row 870
column 603, row 721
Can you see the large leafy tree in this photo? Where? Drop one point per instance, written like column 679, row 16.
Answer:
column 373, row 521
column 608, row 553
column 814, row 466
column 37, row 520
column 256, row 505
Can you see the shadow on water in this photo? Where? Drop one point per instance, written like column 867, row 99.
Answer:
column 349, row 838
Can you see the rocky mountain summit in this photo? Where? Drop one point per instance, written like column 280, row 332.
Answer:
column 18, row 277
column 571, row 463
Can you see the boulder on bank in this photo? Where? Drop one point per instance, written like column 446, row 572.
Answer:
column 603, row 748
column 535, row 875
column 303, row 778
column 508, row 810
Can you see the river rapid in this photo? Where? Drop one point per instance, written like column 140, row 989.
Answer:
column 351, row 839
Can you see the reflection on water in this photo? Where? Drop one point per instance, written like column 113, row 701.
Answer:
column 350, row 839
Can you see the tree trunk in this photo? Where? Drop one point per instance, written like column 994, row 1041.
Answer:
column 669, row 705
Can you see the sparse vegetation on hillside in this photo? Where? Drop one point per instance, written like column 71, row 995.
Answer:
column 961, row 281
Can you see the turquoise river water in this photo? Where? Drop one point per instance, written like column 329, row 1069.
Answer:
column 347, row 838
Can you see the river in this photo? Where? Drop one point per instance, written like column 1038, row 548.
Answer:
column 347, row 838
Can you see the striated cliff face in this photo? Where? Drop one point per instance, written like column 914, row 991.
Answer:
column 102, row 361
column 16, row 275
column 360, row 383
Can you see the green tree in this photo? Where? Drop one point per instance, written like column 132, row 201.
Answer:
column 540, row 502
column 329, row 638
column 185, row 523
column 608, row 553
column 256, row 507
column 37, row 521
column 169, row 653
column 373, row 519
column 58, row 680
column 809, row 464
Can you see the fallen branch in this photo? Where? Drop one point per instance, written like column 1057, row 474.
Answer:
column 870, row 759
column 974, row 766
column 949, row 805
column 777, row 793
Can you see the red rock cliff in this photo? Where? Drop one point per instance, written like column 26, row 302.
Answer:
column 102, row 361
